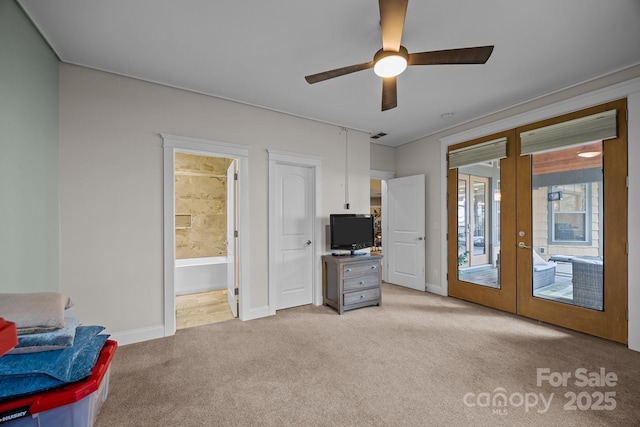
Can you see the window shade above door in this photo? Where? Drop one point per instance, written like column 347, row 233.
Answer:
column 484, row 152
column 597, row 127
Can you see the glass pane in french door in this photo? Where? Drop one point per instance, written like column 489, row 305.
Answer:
column 568, row 226
column 478, row 224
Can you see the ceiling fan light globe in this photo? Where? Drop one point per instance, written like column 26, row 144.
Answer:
column 390, row 66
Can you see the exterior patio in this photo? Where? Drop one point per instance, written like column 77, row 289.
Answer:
column 574, row 280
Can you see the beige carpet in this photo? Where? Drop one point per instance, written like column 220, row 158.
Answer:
column 418, row 360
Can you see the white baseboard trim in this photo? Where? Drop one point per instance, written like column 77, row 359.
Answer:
column 138, row 335
column 158, row 331
column 200, row 289
column 256, row 313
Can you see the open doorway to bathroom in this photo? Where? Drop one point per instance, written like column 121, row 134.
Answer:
column 201, row 239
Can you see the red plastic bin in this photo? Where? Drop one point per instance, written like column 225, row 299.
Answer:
column 72, row 405
column 8, row 336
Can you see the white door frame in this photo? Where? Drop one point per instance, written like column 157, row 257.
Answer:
column 383, row 176
column 172, row 144
column 232, row 299
column 295, row 159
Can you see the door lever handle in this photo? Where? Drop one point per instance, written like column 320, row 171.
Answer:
column 308, row 243
column 523, row 246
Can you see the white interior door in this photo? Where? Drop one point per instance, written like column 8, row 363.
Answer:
column 231, row 239
column 294, row 205
column 405, row 243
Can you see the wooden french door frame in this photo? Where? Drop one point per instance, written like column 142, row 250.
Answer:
column 503, row 298
column 515, row 294
column 611, row 322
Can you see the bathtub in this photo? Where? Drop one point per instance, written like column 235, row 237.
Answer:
column 193, row 275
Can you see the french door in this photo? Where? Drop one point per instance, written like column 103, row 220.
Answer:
column 556, row 221
column 491, row 282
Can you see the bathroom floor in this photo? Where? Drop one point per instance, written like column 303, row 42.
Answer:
column 202, row 309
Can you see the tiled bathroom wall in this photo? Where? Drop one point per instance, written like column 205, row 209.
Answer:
column 201, row 211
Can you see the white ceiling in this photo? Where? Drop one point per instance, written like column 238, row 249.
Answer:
column 258, row 52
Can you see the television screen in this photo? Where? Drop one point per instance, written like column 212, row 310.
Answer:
column 351, row 231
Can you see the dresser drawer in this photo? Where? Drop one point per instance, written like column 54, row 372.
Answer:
column 364, row 281
column 360, row 269
column 365, row 295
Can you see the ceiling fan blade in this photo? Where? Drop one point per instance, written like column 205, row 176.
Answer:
column 467, row 55
column 389, row 93
column 326, row 75
column 392, row 14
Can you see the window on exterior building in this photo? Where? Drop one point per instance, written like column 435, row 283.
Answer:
column 570, row 208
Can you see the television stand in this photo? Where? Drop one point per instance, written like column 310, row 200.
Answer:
column 350, row 282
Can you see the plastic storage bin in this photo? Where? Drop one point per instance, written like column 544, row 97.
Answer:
column 73, row 405
column 8, row 336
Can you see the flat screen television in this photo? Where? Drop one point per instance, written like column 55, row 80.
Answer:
column 351, row 232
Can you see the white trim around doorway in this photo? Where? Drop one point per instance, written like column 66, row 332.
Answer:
column 171, row 145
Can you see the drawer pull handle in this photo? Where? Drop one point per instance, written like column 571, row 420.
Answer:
column 348, row 270
column 373, row 267
column 361, row 296
column 362, row 282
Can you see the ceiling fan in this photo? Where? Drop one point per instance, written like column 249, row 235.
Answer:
column 394, row 58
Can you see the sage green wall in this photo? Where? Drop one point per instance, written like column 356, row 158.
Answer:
column 29, row 178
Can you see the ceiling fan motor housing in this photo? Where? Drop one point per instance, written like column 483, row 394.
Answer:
column 403, row 52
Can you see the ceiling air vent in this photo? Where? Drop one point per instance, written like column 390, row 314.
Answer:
column 378, row 135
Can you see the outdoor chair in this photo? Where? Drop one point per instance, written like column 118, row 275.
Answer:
column 544, row 272
column 587, row 282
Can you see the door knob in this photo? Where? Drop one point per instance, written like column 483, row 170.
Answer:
column 308, row 243
column 523, row 246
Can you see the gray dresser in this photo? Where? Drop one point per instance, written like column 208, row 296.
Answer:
column 350, row 282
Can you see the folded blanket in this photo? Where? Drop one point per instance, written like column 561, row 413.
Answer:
column 47, row 341
column 22, row 374
column 35, row 312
